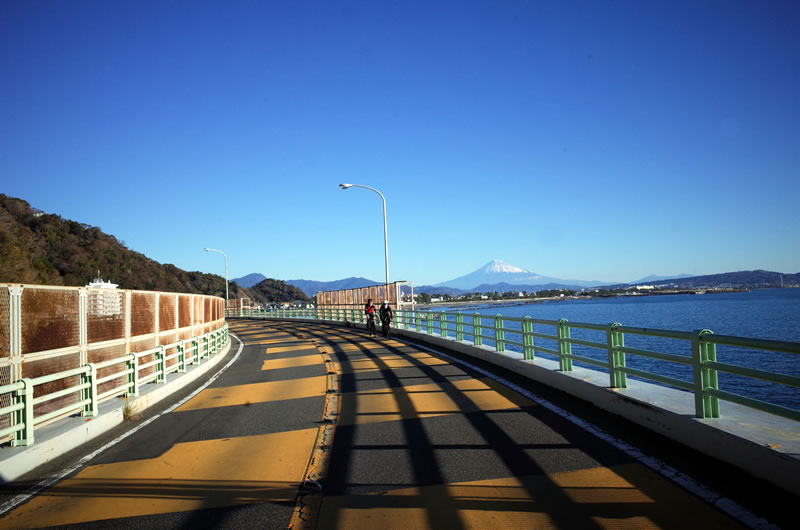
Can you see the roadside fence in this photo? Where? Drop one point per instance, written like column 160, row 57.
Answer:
column 64, row 350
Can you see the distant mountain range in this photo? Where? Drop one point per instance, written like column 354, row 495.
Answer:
column 501, row 277
column 250, row 280
column 741, row 279
column 656, row 278
column 310, row 287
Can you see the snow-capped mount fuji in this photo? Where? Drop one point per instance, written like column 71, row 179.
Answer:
column 498, row 271
column 497, row 265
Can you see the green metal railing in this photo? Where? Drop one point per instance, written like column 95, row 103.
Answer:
column 22, row 409
column 700, row 345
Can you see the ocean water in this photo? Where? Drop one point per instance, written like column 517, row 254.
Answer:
column 772, row 314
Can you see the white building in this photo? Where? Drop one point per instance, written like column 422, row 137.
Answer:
column 103, row 298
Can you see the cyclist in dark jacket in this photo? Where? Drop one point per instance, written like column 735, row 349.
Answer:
column 386, row 317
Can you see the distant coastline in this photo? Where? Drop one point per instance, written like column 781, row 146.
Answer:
column 498, row 303
column 536, row 300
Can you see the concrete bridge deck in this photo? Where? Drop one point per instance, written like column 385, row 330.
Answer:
column 396, row 437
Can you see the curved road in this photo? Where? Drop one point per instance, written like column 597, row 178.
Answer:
column 418, row 442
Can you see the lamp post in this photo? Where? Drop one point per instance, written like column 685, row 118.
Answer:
column 226, row 268
column 385, row 236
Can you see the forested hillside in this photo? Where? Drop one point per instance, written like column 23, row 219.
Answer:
column 47, row 249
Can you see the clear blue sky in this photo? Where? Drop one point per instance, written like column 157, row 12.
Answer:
column 580, row 140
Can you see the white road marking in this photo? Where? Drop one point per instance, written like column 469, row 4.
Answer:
column 19, row 499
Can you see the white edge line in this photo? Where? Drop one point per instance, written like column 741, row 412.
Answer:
column 19, row 499
column 729, row 506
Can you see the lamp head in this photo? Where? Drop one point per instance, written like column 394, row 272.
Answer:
column 205, row 249
column 345, row 186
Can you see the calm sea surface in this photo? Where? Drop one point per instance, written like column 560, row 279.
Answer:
column 766, row 314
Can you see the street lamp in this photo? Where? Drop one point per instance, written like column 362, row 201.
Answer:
column 385, row 237
column 226, row 268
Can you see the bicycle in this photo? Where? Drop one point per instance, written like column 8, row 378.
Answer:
column 385, row 327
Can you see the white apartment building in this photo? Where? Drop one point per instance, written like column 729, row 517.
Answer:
column 103, row 298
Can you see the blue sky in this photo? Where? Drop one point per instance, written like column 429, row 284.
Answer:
column 580, row 140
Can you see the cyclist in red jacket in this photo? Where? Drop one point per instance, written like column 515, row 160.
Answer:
column 369, row 310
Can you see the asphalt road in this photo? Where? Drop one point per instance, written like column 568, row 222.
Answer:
column 231, row 457
column 418, row 442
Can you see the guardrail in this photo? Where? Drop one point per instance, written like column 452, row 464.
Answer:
column 609, row 353
column 23, row 409
column 49, row 331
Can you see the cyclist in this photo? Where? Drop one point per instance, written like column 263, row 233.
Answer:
column 369, row 310
column 386, row 317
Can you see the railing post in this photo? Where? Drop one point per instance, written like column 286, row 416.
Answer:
column 406, row 320
column 564, row 347
column 83, row 326
column 132, row 365
column 90, row 377
column 181, row 357
column 527, row 339
column 429, row 322
column 616, row 359
column 459, row 326
column 15, row 331
column 195, row 348
column 443, row 324
column 499, row 334
column 416, row 320
column 197, row 354
column 477, row 340
column 705, row 379
column 161, row 366
column 24, row 416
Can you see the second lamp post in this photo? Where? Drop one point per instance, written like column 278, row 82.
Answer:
column 226, row 268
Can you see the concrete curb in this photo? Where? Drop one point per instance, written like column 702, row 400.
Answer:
column 64, row 435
